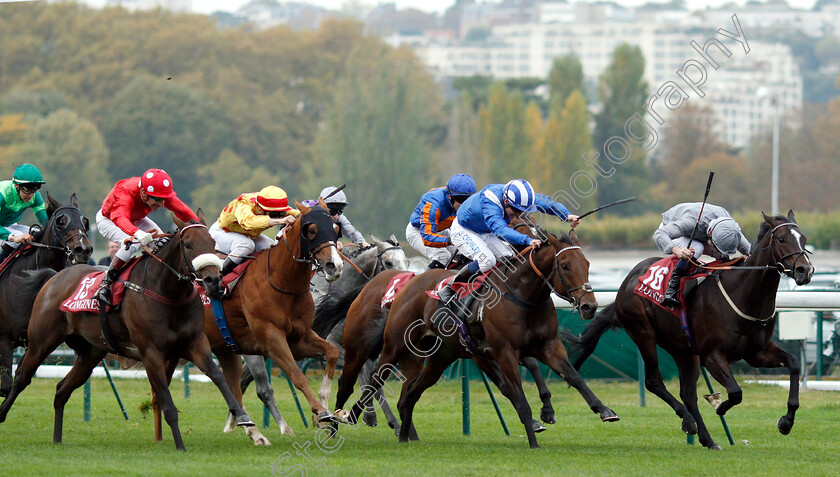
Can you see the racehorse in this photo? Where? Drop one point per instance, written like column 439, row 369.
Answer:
column 64, row 236
column 270, row 310
column 329, row 320
column 516, row 318
column 731, row 316
column 158, row 322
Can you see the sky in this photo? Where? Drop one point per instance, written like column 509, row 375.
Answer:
column 210, row 6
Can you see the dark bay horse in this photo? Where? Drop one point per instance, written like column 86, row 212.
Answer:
column 516, row 318
column 64, row 237
column 159, row 322
column 731, row 317
column 270, row 311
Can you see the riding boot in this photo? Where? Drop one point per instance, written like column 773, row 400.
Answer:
column 228, row 265
column 104, row 292
column 435, row 264
column 5, row 251
column 447, row 293
column 670, row 297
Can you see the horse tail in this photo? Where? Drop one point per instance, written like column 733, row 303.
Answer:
column 585, row 344
column 332, row 309
column 27, row 285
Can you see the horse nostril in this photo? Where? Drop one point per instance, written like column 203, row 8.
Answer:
column 585, row 309
column 329, row 268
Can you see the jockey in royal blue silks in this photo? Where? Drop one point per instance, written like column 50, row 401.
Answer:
column 482, row 232
column 428, row 228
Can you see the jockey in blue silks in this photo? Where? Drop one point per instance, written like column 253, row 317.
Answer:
column 428, row 228
column 482, row 232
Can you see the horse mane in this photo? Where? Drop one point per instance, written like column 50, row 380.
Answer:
column 764, row 228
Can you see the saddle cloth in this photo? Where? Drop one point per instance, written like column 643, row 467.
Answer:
column 394, row 286
column 461, row 289
column 83, row 298
column 653, row 283
column 229, row 281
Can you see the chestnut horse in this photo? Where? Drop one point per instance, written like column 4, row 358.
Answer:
column 731, row 316
column 64, row 236
column 270, row 311
column 516, row 318
column 159, row 322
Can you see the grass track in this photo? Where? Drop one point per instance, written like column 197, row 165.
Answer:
column 646, row 441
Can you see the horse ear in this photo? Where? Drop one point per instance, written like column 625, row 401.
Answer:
column 52, row 204
column 322, row 203
column 393, row 238
column 74, row 201
column 375, row 240
column 200, row 214
column 791, row 216
column 178, row 222
column 305, row 210
column 574, row 237
column 766, row 219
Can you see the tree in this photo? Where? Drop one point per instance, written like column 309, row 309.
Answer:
column 379, row 137
column 159, row 123
column 566, row 76
column 622, row 92
column 504, row 145
column 73, row 157
column 689, row 134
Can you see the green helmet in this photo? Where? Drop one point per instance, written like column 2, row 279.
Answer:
column 27, row 174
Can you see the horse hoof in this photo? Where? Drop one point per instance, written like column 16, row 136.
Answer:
column 689, row 426
column 784, row 425
column 609, row 416
column 370, row 419
column 262, row 441
column 548, row 417
column 397, row 430
column 537, row 426
column 244, row 421
column 714, row 399
column 714, row 447
column 342, row 415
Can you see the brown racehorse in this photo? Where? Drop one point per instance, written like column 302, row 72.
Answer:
column 515, row 320
column 270, row 311
column 159, row 322
column 731, row 319
column 64, row 236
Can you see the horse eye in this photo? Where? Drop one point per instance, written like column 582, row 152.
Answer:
column 188, row 245
column 781, row 240
column 388, row 264
column 565, row 266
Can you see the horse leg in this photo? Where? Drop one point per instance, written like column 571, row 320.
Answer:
column 312, row 345
column 547, row 411
column 156, row 372
column 429, row 374
column 688, row 366
column 354, row 362
column 280, row 352
column 87, row 358
column 555, row 356
column 369, row 417
column 170, row 366
column 199, row 353
column 772, row 357
column 646, row 343
column 246, row 378
column 265, row 392
column 231, row 364
column 494, row 373
column 40, row 346
column 509, row 365
column 6, row 351
column 719, row 368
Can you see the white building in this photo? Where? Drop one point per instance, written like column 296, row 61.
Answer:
column 176, row 6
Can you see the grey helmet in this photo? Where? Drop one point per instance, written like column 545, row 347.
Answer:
column 725, row 234
column 337, row 198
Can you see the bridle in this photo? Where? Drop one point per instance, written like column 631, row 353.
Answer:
column 307, row 254
column 56, row 238
column 191, row 275
column 778, row 262
column 555, row 270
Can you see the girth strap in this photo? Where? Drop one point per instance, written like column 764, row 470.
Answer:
column 106, row 330
column 222, row 324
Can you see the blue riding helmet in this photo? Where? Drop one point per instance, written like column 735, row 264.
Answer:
column 460, row 185
column 520, row 195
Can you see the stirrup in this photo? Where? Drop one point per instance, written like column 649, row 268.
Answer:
column 105, row 295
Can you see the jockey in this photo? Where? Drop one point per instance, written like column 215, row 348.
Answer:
column 16, row 196
column 482, row 232
column 336, row 202
column 428, row 228
column 239, row 230
column 123, row 214
column 717, row 234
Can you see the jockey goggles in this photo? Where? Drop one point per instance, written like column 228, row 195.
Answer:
column 336, row 209
column 29, row 188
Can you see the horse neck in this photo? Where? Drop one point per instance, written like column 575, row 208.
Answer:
column 754, row 291
column 47, row 257
column 523, row 281
column 168, row 282
column 283, row 269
